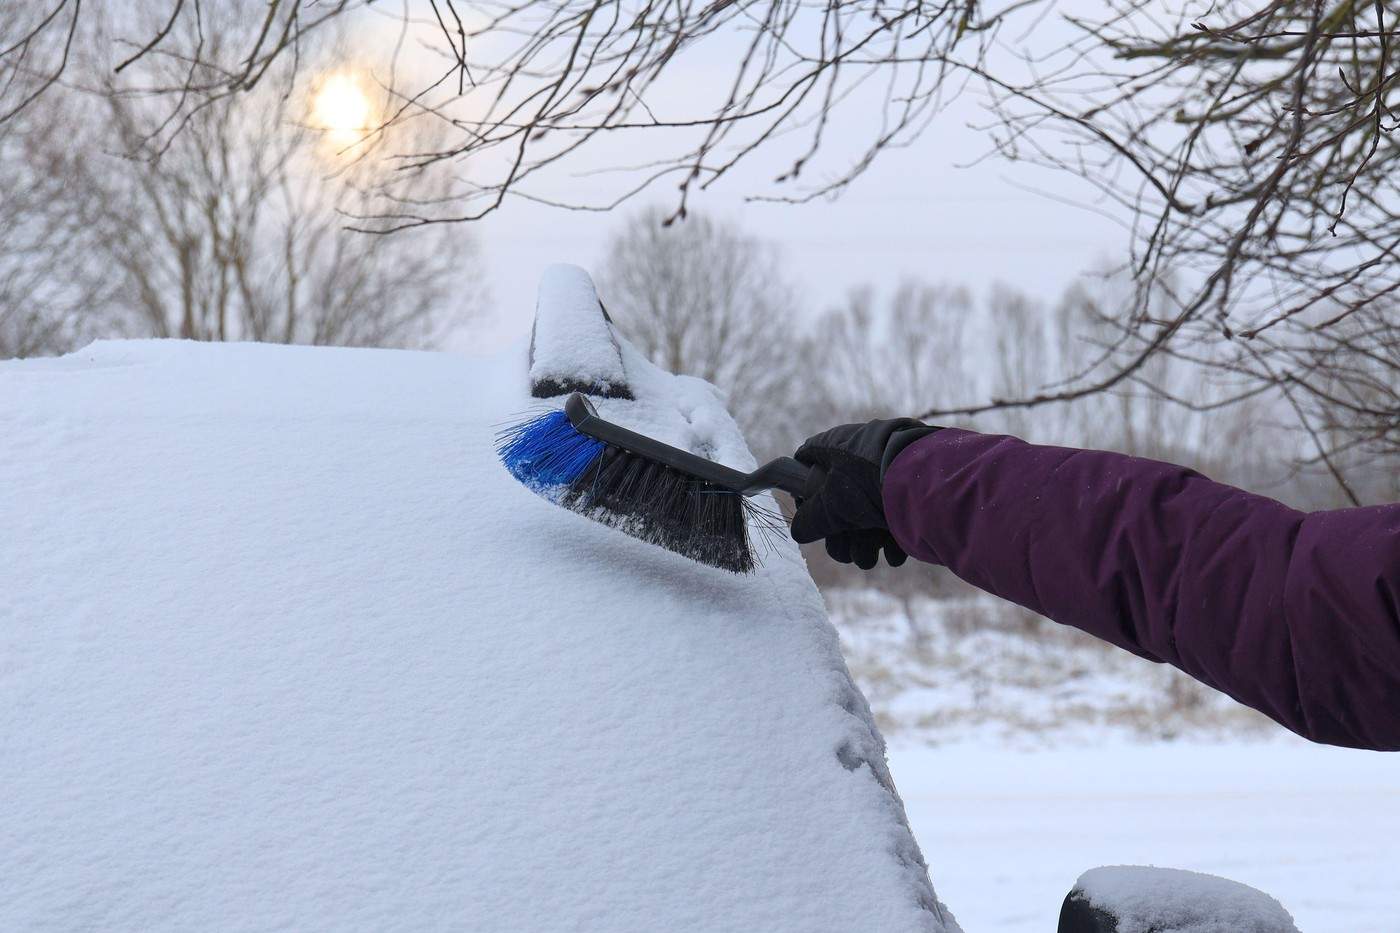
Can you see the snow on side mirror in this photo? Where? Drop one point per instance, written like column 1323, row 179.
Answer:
column 1141, row 899
column 572, row 347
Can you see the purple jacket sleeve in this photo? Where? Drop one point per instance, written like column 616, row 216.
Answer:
column 1295, row 614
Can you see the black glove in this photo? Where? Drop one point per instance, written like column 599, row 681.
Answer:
column 842, row 502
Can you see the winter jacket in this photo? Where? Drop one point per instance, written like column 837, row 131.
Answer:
column 1295, row 614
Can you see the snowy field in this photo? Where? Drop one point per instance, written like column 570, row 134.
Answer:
column 977, row 669
column 1027, row 753
column 1006, row 832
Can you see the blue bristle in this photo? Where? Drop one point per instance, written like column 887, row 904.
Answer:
column 547, row 451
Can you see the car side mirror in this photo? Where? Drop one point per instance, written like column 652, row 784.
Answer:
column 1142, row 899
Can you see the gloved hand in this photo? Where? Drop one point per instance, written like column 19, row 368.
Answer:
column 842, row 502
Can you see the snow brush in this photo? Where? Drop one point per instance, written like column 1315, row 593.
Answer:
column 650, row 490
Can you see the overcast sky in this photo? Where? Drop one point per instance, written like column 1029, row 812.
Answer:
column 916, row 213
column 922, row 211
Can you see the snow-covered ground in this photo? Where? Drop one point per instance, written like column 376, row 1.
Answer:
column 974, row 668
column 1027, row 753
column 1007, row 832
column 283, row 646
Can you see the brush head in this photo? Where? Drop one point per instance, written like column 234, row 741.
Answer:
column 646, row 499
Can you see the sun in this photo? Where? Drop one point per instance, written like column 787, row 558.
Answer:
column 342, row 107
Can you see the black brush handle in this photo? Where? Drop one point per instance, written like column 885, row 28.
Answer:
column 784, row 473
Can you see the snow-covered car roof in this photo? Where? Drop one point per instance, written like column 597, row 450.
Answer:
column 285, row 647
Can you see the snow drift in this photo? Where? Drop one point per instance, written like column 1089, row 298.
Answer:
column 282, row 646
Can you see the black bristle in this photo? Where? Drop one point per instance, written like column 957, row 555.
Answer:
column 663, row 506
column 643, row 497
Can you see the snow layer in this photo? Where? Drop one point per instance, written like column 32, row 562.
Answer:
column 1168, row 900
column 574, row 347
column 283, row 646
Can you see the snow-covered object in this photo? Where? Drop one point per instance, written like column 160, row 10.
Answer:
column 1168, row 900
column 573, row 348
column 283, row 646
